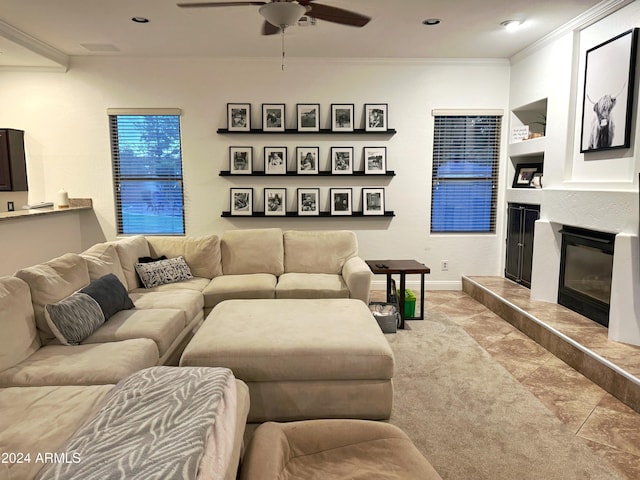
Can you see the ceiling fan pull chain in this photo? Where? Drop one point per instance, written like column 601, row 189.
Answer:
column 282, row 29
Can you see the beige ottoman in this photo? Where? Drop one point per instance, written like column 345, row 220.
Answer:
column 333, row 450
column 301, row 358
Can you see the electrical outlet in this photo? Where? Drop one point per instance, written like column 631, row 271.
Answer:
column 444, row 265
column 10, row 207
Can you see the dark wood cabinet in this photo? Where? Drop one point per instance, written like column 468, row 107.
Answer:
column 521, row 219
column 13, row 167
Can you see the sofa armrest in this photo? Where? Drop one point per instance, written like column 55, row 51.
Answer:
column 357, row 275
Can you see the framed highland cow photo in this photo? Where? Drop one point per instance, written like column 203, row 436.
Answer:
column 608, row 93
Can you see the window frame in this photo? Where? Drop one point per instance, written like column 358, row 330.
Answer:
column 446, row 135
column 120, row 179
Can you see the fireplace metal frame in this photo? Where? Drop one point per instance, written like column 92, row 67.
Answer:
column 586, row 305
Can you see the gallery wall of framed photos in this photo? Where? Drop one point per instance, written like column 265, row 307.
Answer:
column 308, row 151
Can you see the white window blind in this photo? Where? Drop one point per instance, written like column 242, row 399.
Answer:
column 466, row 154
column 147, row 169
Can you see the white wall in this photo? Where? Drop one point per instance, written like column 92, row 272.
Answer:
column 67, row 140
column 597, row 191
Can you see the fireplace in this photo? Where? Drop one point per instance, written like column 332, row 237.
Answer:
column 586, row 267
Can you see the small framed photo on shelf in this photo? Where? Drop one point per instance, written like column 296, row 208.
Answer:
column 240, row 160
column 308, row 117
column 525, row 173
column 375, row 117
column 342, row 117
column 273, row 117
column 275, row 160
column 375, row 160
column 341, row 202
column 275, row 201
column 239, row 117
column 307, row 160
column 373, row 201
column 241, row 201
column 341, row 160
column 308, row 201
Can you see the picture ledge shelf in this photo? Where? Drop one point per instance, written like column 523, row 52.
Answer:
column 324, row 173
column 321, row 215
column 322, row 131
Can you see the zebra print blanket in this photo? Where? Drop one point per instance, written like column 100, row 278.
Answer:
column 153, row 425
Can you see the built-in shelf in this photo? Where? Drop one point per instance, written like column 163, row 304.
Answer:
column 321, row 215
column 324, row 173
column 293, row 131
column 525, row 148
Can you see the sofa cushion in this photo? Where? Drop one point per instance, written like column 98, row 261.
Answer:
column 130, row 249
column 35, row 420
column 110, row 294
column 19, row 337
column 161, row 325
column 190, row 302
column 161, row 272
column 318, row 251
column 202, row 254
column 228, row 287
column 102, row 259
column 52, row 281
column 311, row 285
column 74, row 318
column 95, row 364
column 252, row 251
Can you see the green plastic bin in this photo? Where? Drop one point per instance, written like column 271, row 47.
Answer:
column 409, row 303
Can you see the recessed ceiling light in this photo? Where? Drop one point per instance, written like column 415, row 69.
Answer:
column 511, row 24
column 431, row 21
column 140, row 20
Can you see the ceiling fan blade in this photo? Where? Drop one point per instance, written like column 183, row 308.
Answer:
column 336, row 15
column 218, row 4
column 268, row 29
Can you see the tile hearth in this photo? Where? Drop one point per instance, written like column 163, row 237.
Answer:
column 608, row 426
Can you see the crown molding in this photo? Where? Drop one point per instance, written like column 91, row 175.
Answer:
column 34, row 45
column 586, row 19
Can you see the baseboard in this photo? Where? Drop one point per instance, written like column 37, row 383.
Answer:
column 415, row 285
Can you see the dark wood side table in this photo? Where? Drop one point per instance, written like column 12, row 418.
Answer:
column 402, row 268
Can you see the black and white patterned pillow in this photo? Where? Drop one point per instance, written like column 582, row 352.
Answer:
column 74, row 318
column 162, row 272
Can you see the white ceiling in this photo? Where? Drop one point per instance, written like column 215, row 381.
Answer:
column 46, row 33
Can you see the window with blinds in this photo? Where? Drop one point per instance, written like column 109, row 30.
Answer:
column 466, row 153
column 147, row 169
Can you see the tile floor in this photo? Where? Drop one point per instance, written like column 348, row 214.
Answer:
column 607, row 425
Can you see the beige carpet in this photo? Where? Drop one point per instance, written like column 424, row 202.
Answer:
column 472, row 419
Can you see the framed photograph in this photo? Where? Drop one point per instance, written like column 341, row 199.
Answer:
column 341, row 160
column 240, row 160
column 607, row 103
column 308, row 117
column 275, row 201
column 239, row 117
column 275, row 160
column 341, row 202
column 342, row 117
column 375, row 117
column 308, row 201
column 273, row 117
column 373, row 201
column 525, row 173
column 241, row 201
column 375, row 160
column 307, row 160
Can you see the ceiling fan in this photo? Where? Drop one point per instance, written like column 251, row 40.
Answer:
column 280, row 14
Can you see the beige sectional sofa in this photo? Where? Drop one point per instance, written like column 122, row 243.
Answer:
column 37, row 369
column 240, row 264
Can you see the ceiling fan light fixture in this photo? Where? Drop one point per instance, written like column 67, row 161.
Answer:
column 282, row 14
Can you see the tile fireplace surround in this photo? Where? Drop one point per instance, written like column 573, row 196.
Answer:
column 578, row 341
